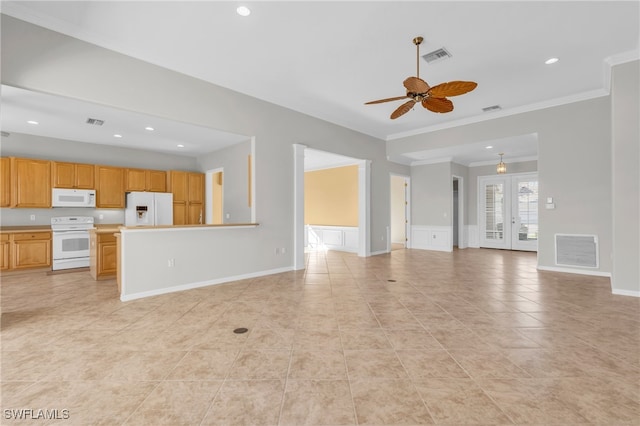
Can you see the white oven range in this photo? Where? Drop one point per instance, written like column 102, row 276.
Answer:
column 71, row 241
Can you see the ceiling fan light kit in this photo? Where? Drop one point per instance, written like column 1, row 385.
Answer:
column 432, row 98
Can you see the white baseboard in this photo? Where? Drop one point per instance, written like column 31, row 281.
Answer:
column 375, row 253
column 620, row 292
column 191, row 286
column 574, row 271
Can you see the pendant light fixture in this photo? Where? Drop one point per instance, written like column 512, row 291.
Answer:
column 501, row 168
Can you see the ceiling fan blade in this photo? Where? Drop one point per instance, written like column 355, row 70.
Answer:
column 438, row 104
column 416, row 85
column 403, row 109
column 379, row 101
column 452, row 88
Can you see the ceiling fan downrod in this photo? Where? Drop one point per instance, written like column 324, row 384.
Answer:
column 417, row 41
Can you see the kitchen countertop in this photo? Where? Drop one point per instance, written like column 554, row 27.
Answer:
column 26, row 228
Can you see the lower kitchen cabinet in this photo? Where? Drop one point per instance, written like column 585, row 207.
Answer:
column 5, row 251
column 103, row 255
column 30, row 250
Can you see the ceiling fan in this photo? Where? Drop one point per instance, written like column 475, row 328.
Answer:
column 432, row 98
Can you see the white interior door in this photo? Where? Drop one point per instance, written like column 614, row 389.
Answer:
column 508, row 207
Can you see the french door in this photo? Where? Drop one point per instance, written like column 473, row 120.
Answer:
column 508, row 207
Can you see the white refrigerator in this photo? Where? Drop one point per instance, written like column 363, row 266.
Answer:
column 148, row 209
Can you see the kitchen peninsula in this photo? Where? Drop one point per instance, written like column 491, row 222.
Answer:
column 153, row 260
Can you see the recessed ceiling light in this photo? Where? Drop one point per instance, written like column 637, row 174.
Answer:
column 33, row 122
column 489, row 147
column 117, row 136
column 243, row 11
column 180, row 146
column 551, row 61
column 149, row 128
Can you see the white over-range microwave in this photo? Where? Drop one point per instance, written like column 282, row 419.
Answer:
column 62, row 197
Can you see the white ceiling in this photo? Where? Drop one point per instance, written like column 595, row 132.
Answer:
column 327, row 58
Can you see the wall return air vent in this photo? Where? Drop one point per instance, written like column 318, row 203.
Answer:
column 577, row 250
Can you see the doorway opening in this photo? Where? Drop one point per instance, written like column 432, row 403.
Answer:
column 214, row 189
column 400, row 230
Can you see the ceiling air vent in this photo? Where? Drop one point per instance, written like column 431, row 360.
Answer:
column 437, row 55
column 492, row 108
column 95, row 121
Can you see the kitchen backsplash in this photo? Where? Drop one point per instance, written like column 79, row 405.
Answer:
column 23, row 217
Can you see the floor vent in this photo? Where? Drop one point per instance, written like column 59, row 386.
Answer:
column 577, row 250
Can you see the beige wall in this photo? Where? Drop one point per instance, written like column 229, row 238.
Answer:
column 331, row 196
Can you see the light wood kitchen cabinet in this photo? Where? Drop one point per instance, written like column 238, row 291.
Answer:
column 188, row 197
column 145, row 180
column 73, row 175
column 30, row 250
column 5, row 252
column 109, row 187
column 103, row 255
column 30, row 183
column 5, row 182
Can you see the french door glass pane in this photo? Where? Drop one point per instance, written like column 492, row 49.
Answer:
column 494, row 211
column 528, row 210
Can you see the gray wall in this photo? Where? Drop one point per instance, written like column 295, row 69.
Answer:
column 38, row 59
column 235, row 180
column 574, row 154
column 431, row 194
column 625, row 110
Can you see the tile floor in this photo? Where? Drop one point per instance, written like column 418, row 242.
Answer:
column 413, row 337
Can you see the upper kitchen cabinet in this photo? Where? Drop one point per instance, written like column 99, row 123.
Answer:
column 73, row 175
column 145, row 180
column 188, row 195
column 30, row 183
column 110, row 187
column 5, row 182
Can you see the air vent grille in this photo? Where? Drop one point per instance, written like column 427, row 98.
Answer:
column 577, row 250
column 437, row 55
column 492, row 108
column 95, row 121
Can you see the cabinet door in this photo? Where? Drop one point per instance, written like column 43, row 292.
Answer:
column 31, row 254
column 64, row 175
column 85, row 176
column 156, row 180
column 109, row 187
column 195, row 213
column 5, row 250
column 5, row 182
column 180, row 213
column 107, row 259
column 135, row 180
column 30, row 183
column 196, row 188
column 178, row 185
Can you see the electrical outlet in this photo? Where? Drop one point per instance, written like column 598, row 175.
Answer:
column 32, row 217
column 100, row 216
column 283, row 250
column 171, row 263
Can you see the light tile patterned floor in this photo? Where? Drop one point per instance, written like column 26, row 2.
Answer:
column 413, row 337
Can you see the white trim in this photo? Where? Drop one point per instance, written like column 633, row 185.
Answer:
column 619, row 292
column 364, row 208
column 341, row 238
column 407, row 227
column 253, row 180
column 298, row 207
column 379, row 252
column 432, row 161
column 507, row 162
column 574, row 271
column 200, row 284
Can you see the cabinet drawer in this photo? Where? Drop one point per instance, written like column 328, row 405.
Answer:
column 106, row 238
column 32, row 236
